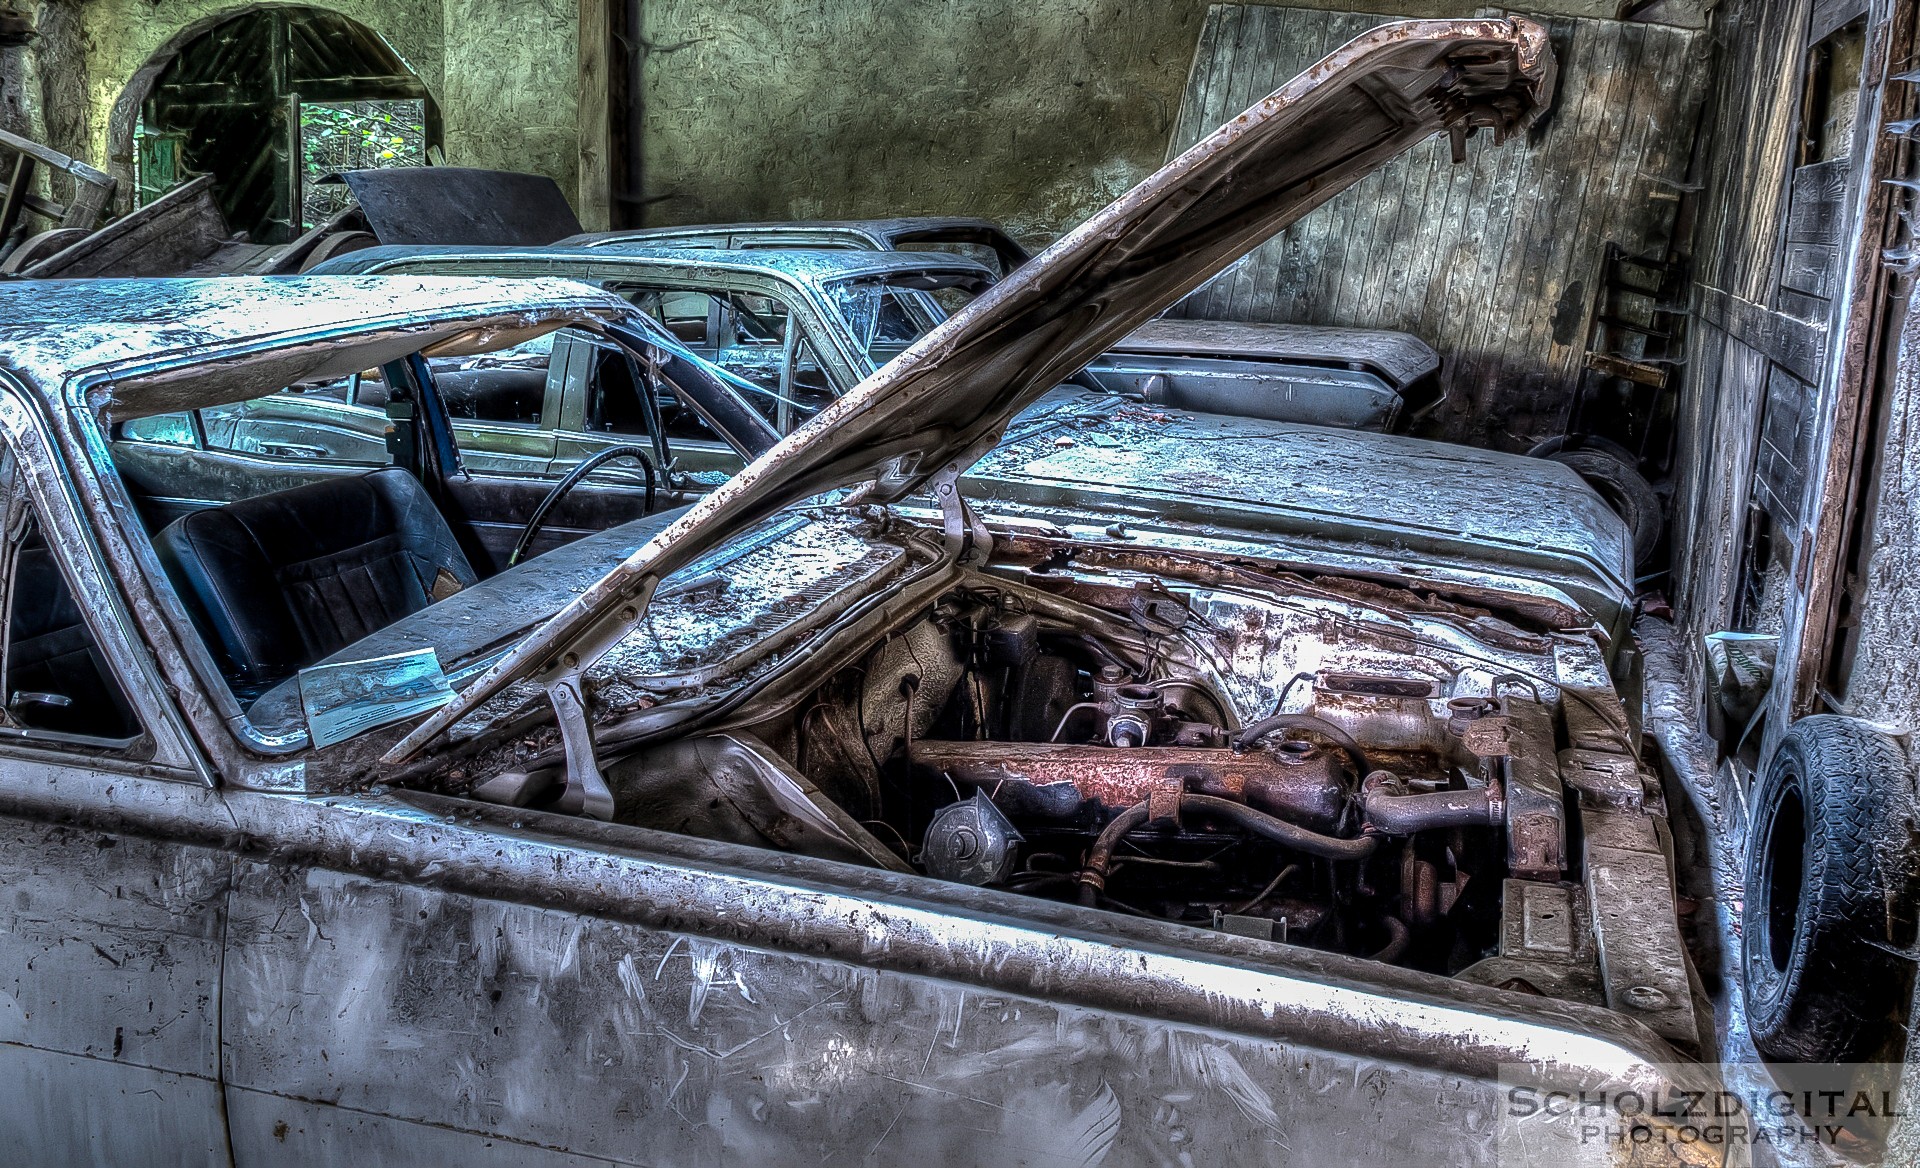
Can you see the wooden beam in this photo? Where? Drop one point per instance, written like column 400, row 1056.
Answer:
column 57, row 160
column 1864, row 325
column 594, row 198
column 1796, row 345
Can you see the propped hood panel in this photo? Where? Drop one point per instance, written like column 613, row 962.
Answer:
column 948, row 397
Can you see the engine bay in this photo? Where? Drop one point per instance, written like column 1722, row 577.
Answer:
column 1088, row 745
column 1387, row 772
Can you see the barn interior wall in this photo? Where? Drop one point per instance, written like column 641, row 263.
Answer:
column 1496, row 261
column 43, row 87
column 1798, row 406
column 1741, row 168
column 776, row 110
column 1034, row 112
column 122, row 36
column 503, row 72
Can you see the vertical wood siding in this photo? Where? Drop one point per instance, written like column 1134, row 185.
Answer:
column 1494, row 261
column 1744, row 170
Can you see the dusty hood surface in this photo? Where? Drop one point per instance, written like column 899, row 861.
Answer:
column 1401, row 358
column 1416, row 512
column 945, row 400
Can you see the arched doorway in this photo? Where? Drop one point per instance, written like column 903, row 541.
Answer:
column 269, row 100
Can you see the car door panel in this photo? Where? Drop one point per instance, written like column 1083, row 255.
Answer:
column 705, row 464
column 496, row 508
column 274, row 1130
column 640, row 998
column 294, row 426
column 1345, row 398
column 499, row 449
column 169, row 481
column 111, row 947
column 69, row 1110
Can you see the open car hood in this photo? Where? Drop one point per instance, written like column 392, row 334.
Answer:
column 946, row 400
column 419, row 205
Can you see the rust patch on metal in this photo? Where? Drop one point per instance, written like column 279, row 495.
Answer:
column 1310, row 785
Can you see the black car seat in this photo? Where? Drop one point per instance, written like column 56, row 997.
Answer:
column 56, row 678
column 281, row 581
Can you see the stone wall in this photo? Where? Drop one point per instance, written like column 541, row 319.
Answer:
column 504, row 72
column 123, row 37
column 1034, row 112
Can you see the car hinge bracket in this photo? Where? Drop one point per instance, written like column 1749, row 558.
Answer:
column 586, row 792
column 967, row 538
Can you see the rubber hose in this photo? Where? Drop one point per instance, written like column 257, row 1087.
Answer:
column 1265, row 726
column 1406, row 814
column 1093, row 877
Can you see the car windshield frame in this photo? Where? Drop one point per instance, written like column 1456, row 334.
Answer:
column 643, row 339
column 857, row 304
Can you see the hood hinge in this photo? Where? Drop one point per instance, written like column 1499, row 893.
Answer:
column 967, row 538
column 586, row 792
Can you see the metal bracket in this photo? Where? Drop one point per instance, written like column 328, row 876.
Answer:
column 587, row 792
column 968, row 540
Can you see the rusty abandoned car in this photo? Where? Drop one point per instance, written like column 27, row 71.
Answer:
column 1173, row 348
column 853, row 311
column 596, row 704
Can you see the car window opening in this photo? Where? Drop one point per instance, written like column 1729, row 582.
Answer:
column 294, row 524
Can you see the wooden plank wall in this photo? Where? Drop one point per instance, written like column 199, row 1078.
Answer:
column 1492, row 262
column 1747, row 140
column 1801, row 427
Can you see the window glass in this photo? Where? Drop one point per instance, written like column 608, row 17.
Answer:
column 804, row 395
column 506, row 387
column 951, row 300
column 883, row 318
column 303, row 424
column 172, row 429
column 1831, row 98
column 995, row 250
column 757, row 242
column 979, row 253
column 53, row 677
column 746, row 335
column 345, row 421
column 685, row 315
column 616, row 403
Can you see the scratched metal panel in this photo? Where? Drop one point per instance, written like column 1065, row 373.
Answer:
column 274, row 1131
column 608, row 1039
column 110, row 945
column 1493, row 261
column 65, row 1111
column 109, row 966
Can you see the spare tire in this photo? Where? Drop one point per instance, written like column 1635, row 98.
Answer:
column 1829, row 873
column 1625, row 490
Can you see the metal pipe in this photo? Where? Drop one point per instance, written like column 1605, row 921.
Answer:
column 1397, row 938
column 1393, row 814
column 1093, row 877
column 1280, row 831
column 1312, row 722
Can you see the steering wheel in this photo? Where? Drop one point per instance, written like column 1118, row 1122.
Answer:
column 581, row 470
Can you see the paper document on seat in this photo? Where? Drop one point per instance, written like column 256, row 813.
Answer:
column 349, row 697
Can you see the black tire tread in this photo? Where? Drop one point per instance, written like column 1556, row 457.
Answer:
column 1843, row 976
column 1625, row 491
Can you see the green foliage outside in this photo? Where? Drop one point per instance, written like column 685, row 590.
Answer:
column 354, row 135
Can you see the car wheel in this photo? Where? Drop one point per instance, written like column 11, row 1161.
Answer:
column 1828, row 874
column 1625, row 491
